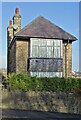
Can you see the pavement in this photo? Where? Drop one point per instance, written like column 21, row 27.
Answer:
column 13, row 114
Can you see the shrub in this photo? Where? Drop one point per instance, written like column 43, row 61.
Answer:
column 26, row 83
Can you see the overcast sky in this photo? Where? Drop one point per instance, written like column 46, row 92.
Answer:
column 65, row 15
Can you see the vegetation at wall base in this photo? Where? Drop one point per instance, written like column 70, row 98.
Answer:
column 27, row 83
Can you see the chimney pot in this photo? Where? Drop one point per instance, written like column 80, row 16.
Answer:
column 10, row 24
column 17, row 10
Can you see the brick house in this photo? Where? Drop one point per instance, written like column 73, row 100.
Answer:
column 40, row 49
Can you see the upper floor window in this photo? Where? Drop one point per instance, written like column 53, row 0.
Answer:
column 45, row 48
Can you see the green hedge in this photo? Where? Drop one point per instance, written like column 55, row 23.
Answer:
column 26, row 83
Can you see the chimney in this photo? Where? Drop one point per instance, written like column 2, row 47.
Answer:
column 17, row 11
column 10, row 32
column 10, row 23
column 17, row 21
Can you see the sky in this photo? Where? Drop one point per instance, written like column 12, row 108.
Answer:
column 65, row 15
column 80, row 37
column 0, row 35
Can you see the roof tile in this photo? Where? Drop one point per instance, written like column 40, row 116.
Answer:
column 41, row 27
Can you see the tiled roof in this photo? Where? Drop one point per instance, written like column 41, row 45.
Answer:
column 41, row 27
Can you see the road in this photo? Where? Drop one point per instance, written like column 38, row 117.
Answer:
column 37, row 115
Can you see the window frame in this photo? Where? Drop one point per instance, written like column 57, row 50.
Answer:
column 53, row 46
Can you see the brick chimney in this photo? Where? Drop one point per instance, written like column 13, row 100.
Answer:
column 17, row 21
column 17, row 11
column 10, row 23
column 10, row 32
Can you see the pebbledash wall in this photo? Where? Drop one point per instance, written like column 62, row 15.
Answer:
column 19, row 49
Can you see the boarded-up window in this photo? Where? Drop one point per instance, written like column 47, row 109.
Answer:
column 42, row 65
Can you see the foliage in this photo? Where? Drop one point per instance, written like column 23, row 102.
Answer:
column 26, row 83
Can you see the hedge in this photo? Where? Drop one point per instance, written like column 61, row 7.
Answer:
column 27, row 83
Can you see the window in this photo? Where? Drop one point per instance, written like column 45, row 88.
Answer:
column 49, row 52
column 49, row 42
column 44, row 54
column 46, row 48
column 46, row 74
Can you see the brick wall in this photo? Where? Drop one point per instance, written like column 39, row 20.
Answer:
column 67, row 59
column 19, row 53
column 12, row 58
column 9, row 34
column 22, row 53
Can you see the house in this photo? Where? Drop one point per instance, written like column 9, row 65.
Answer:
column 40, row 49
column 76, row 74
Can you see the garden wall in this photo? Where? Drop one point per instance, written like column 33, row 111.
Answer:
column 43, row 101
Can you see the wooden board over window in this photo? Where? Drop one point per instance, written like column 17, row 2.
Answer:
column 50, row 65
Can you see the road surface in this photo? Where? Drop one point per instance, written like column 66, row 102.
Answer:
column 37, row 115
